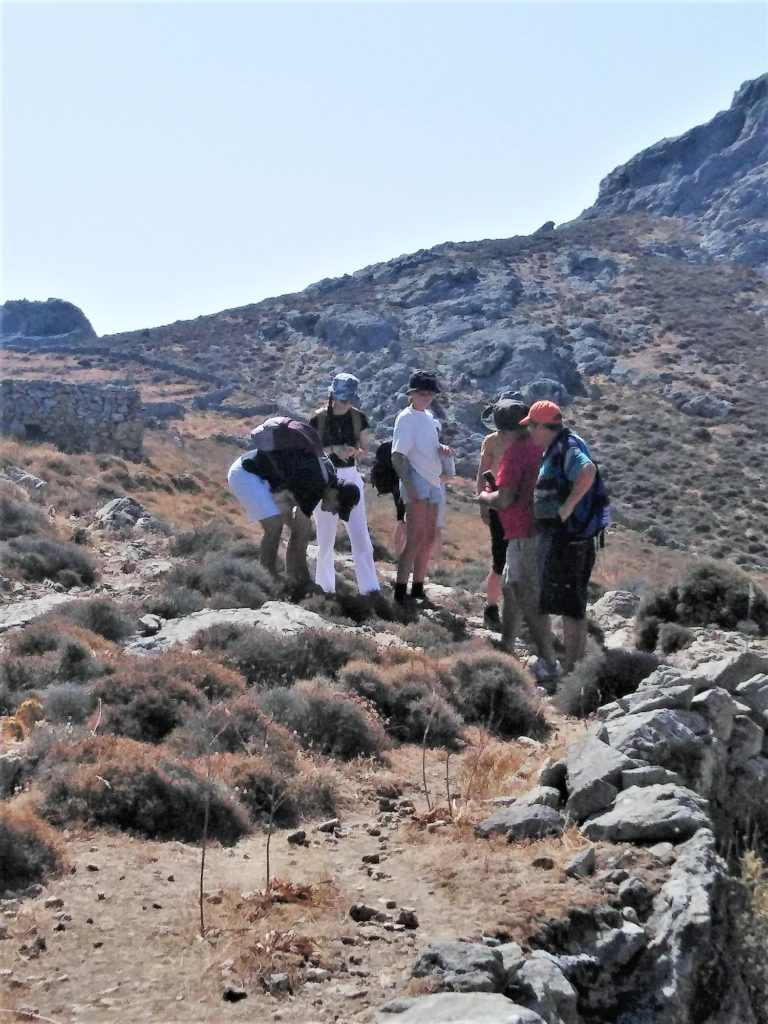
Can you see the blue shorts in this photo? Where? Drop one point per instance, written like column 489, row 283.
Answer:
column 426, row 491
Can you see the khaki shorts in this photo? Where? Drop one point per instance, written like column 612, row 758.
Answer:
column 520, row 566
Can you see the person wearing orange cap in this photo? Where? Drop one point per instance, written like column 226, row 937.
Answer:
column 565, row 557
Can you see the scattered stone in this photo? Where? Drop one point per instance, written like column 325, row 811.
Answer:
column 329, row 826
column 648, row 813
column 234, row 994
column 91, row 867
column 53, row 903
column 583, row 864
column 462, row 967
column 467, row 1008
column 543, row 863
column 407, row 918
column 517, row 822
column 317, row 974
column 362, row 913
column 278, row 984
column 298, row 838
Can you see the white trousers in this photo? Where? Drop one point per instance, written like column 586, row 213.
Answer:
column 359, row 538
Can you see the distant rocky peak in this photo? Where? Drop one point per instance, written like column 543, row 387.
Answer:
column 49, row 320
column 715, row 175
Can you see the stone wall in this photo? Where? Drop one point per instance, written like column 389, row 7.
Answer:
column 74, row 417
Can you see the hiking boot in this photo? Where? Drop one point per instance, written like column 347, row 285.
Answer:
column 491, row 617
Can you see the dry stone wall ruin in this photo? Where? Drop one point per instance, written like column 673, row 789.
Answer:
column 74, row 417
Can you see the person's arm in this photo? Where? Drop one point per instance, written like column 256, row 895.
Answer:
column 584, row 480
column 501, row 499
column 401, row 467
column 485, row 464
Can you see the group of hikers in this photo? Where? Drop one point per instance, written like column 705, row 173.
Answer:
column 538, row 489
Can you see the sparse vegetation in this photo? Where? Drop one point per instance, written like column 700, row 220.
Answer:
column 102, row 616
column 41, row 558
column 268, row 659
column 494, row 692
column 707, row 594
column 603, row 676
column 327, row 721
column 139, row 788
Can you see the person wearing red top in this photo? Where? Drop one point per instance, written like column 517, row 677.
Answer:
column 513, row 500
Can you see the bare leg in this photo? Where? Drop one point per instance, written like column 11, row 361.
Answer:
column 296, row 552
column 420, row 534
column 493, row 588
column 270, row 542
column 575, row 640
column 399, row 537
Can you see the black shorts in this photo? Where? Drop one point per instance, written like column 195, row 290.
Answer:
column 564, row 570
column 498, row 543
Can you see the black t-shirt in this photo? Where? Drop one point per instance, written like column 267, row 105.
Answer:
column 339, row 430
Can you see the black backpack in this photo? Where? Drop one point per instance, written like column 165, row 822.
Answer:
column 383, row 476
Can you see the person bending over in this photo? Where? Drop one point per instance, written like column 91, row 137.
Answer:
column 280, row 481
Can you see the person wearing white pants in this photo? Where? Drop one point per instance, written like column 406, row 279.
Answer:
column 343, row 429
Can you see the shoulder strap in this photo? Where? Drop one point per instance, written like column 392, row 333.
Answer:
column 357, row 423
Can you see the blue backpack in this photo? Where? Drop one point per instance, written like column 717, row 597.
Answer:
column 593, row 512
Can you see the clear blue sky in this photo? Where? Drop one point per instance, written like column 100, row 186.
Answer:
column 163, row 160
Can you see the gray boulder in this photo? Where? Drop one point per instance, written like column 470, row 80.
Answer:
column 594, row 775
column 651, row 813
column 462, row 967
column 358, row 330
column 754, row 693
column 522, row 822
column 470, row 1008
column 552, row 995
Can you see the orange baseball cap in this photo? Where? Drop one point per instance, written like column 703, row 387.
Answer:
column 543, row 412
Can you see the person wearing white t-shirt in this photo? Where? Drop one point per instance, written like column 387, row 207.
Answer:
column 416, row 457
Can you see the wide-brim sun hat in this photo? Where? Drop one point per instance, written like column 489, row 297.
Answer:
column 423, row 380
column 346, row 388
column 506, row 414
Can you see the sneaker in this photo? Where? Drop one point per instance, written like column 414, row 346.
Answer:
column 543, row 672
column 491, row 617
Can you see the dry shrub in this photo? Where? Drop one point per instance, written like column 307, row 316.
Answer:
column 146, row 700
column 29, row 849
column 18, row 517
column 269, row 659
column 752, row 933
column 238, row 728
column 602, row 677
column 327, row 721
column 263, row 789
column 488, row 765
column 100, row 615
column 226, row 579
column 50, row 652
column 494, row 691
column 41, row 558
column 410, row 699
column 110, row 781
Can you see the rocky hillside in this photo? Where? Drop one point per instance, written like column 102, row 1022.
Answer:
column 629, row 315
column 714, row 177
